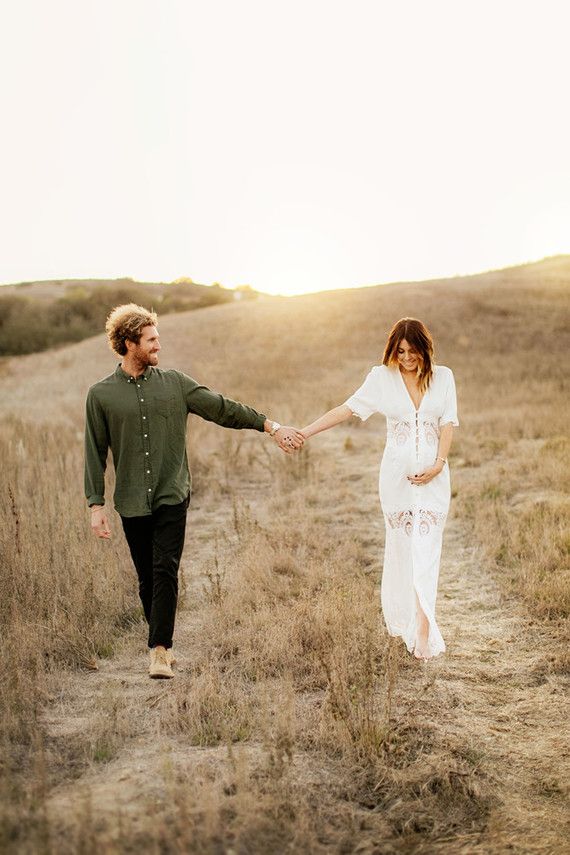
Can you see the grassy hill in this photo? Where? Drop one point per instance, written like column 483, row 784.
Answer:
column 294, row 722
column 49, row 290
column 502, row 332
column 35, row 316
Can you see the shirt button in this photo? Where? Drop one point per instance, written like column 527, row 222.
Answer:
column 145, row 436
column 148, row 471
column 149, row 489
column 146, row 452
column 144, row 417
column 142, row 399
column 138, row 385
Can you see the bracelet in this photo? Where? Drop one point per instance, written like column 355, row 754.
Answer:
column 443, row 459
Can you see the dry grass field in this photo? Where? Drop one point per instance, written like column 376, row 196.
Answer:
column 295, row 724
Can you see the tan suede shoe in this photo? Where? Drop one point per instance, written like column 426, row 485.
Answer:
column 159, row 667
column 171, row 656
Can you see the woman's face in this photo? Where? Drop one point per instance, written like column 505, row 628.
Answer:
column 408, row 357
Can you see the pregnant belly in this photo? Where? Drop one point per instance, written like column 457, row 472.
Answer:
column 402, row 461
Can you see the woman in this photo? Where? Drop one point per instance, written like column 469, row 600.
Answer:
column 419, row 401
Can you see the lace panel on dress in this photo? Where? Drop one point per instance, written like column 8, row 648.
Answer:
column 398, row 431
column 401, row 519
column 431, row 433
column 425, row 519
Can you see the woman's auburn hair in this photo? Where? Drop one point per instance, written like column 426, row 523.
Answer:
column 127, row 323
column 419, row 337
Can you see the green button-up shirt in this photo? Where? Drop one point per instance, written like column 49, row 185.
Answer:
column 143, row 421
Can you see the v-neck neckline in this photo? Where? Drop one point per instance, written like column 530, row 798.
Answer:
column 407, row 391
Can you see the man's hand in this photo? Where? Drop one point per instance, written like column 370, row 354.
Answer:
column 289, row 439
column 99, row 524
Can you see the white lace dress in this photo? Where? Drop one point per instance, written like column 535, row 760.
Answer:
column 414, row 515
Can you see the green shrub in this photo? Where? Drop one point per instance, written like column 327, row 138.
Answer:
column 29, row 324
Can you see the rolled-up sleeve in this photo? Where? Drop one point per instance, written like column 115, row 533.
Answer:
column 214, row 407
column 96, row 448
column 366, row 399
column 449, row 415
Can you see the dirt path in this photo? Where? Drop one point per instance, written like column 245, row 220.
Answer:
column 491, row 694
column 492, row 690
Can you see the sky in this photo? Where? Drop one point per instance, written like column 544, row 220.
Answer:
column 293, row 147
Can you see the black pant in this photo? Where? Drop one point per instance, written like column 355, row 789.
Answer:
column 156, row 544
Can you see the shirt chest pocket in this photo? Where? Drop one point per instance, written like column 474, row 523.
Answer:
column 164, row 405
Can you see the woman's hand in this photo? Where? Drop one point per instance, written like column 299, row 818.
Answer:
column 427, row 475
column 289, row 439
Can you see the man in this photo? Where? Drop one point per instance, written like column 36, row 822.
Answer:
column 140, row 412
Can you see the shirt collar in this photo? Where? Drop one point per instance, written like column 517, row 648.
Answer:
column 122, row 375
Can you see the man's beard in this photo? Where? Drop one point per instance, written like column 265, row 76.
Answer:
column 146, row 358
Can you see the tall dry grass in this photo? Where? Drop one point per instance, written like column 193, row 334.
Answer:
column 288, row 607
column 63, row 601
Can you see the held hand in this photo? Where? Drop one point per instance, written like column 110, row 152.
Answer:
column 99, row 524
column 427, row 475
column 289, row 439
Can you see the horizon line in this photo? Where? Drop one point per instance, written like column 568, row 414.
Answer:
column 435, row 278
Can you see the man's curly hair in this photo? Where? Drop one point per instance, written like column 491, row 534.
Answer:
column 127, row 322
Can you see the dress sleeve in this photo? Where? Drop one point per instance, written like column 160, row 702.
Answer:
column 366, row 400
column 449, row 414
